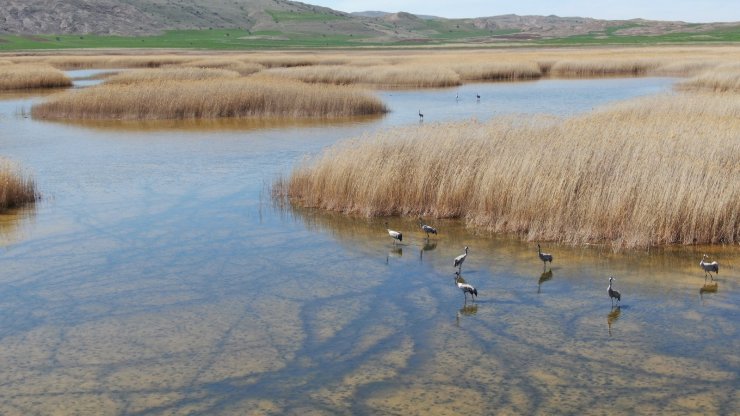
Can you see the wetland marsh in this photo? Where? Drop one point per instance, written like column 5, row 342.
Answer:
column 158, row 276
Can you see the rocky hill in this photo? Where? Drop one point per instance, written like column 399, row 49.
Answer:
column 275, row 17
column 140, row 17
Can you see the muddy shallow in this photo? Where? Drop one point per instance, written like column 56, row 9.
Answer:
column 157, row 277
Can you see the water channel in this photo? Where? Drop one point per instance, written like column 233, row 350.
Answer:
column 156, row 276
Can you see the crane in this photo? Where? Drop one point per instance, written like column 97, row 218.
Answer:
column 709, row 267
column 465, row 287
column 613, row 294
column 427, row 228
column 545, row 257
column 395, row 235
column 460, row 259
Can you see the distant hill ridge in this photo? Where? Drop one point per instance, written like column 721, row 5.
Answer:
column 148, row 17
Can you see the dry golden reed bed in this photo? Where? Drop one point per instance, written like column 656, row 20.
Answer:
column 385, row 76
column 724, row 78
column 212, row 98
column 169, row 73
column 27, row 76
column 16, row 188
column 419, row 68
column 651, row 171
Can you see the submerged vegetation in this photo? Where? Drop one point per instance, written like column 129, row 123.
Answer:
column 651, row 171
column 211, row 98
column 16, row 188
column 28, row 76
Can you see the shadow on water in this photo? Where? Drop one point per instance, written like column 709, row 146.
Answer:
column 467, row 310
column 428, row 245
column 708, row 288
column 395, row 252
column 612, row 317
column 544, row 277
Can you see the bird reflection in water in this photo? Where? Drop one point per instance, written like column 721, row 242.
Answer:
column 466, row 310
column 708, row 288
column 427, row 246
column 612, row 317
column 544, row 277
column 395, row 252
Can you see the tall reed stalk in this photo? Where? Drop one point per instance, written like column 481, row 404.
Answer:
column 16, row 188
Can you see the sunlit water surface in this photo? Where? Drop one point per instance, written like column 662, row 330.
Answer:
column 157, row 277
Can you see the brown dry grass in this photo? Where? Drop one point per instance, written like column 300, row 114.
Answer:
column 470, row 65
column 499, row 71
column 651, row 171
column 396, row 76
column 601, row 68
column 725, row 78
column 16, row 188
column 242, row 97
column 169, row 73
column 69, row 62
column 20, row 76
column 240, row 67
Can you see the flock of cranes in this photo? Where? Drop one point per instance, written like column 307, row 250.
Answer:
column 467, row 288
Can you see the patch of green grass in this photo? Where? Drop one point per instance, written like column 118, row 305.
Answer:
column 182, row 39
column 439, row 31
column 715, row 36
column 280, row 16
column 611, row 31
column 433, row 32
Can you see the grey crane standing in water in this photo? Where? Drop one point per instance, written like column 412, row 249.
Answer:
column 395, row 235
column 709, row 267
column 613, row 294
column 427, row 228
column 544, row 257
column 421, row 116
column 460, row 259
column 477, row 96
column 466, row 288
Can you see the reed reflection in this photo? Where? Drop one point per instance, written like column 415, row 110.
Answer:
column 612, row 317
column 220, row 124
column 13, row 224
column 544, row 277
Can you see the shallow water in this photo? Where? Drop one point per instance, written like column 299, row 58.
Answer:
column 156, row 276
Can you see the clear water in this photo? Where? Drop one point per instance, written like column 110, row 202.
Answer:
column 157, row 277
